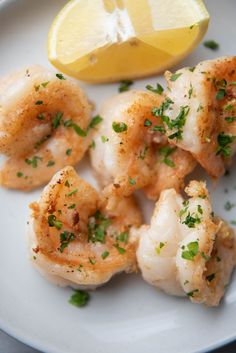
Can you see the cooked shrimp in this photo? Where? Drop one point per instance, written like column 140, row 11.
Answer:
column 74, row 240
column 186, row 250
column 125, row 154
column 199, row 113
column 43, row 126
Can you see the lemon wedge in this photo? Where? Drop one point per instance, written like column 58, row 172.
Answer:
column 109, row 40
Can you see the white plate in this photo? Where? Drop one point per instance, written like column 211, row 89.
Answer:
column 126, row 315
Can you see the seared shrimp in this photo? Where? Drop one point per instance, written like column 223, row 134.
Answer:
column 130, row 152
column 186, row 250
column 43, row 126
column 199, row 113
column 74, row 240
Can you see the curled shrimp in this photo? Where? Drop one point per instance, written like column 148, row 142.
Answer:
column 199, row 112
column 43, row 126
column 130, row 152
column 186, row 250
column 74, row 240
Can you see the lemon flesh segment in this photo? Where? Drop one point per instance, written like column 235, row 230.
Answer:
column 109, row 40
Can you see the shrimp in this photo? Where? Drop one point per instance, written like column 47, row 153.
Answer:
column 199, row 112
column 187, row 250
column 74, row 240
column 43, row 126
column 129, row 149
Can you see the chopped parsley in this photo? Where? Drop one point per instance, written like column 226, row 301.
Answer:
column 119, row 127
column 125, row 85
column 221, row 93
column 228, row 206
column 175, row 77
column 53, row 222
column 97, row 227
column 191, row 220
column 123, row 237
column 65, row 239
column 105, row 254
column 230, row 119
column 158, row 249
column 41, row 116
column 71, row 207
column 190, row 91
column 204, row 256
column 43, row 84
column 95, row 121
column 38, row 102
column 177, row 123
column 77, row 128
column 210, row 277
column 34, row 161
column 224, row 142
column 143, row 152
column 191, row 294
column 191, row 251
column 79, row 299
column 50, row 163
column 73, row 192
column 211, row 44
column 68, row 151
column 147, row 122
column 157, row 128
column 19, row 174
column 60, row 76
column 132, row 181
column 92, row 261
column 67, row 183
column 159, row 89
column 92, row 145
column 57, row 120
column 104, row 138
column 165, row 152
column 120, row 249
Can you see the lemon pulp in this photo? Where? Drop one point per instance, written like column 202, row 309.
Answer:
column 108, row 40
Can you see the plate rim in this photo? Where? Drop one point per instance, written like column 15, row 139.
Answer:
column 21, row 336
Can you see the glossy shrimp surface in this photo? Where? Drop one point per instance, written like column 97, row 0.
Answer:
column 186, row 250
column 43, row 126
column 74, row 240
column 129, row 150
column 199, row 113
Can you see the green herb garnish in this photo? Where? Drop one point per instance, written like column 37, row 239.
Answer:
column 191, row 252
column 57, row 120
column 175, row 77
column 159, row 89
column 65, row 239
column 104, row 138
column 60, row 76
column 165, row 152
column 211, row 44
column 34, row 161
column 125, row 85
column 224, row 142
column 95, row 121
column 79, row 299
column 97, row 227
column 105, row 254
column 119, row 127
column 53, row 222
